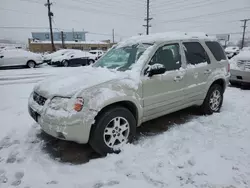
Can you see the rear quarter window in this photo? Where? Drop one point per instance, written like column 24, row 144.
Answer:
column 216, row 50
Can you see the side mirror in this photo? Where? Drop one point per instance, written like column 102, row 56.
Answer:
column 1, row 56
column 156, row 69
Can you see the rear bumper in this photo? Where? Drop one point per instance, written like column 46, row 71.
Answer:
column 240, row 76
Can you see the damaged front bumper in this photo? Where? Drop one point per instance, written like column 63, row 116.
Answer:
column 61, row 124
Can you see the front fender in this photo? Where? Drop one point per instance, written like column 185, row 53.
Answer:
column 101, row 97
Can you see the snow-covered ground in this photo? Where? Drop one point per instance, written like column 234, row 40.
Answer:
column 207, row 151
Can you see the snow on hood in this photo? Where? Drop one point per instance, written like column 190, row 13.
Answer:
column 73, row 54
column 74, row 81
column 55, row 54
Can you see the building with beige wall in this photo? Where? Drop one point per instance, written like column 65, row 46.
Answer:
column 45, row 46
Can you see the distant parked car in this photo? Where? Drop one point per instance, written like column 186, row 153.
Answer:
column 48, row 57
column 97, row 52
column 73, row 58
column 232, row 51
column 19, row 58
column 240, row 68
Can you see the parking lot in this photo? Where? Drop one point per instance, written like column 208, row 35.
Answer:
column 181, row 149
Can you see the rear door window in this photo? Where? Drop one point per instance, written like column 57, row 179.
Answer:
column 195, row 53
column 216, row 50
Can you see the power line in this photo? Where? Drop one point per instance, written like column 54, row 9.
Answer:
column 91, row 10
column 204, row 15
column 183, row 8
column 12, row 10
column 135, row 6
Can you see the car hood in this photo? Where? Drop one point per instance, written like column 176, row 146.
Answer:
column 69, row 84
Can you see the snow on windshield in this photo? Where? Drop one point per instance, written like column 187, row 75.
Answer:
column 122, row 58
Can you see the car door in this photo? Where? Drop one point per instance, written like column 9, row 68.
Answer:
column 7, row 59
column 15, row 58
column 163, row 93
column 198, row 70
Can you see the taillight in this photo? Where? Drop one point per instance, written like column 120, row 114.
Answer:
column 78, row 104
column 228, row 67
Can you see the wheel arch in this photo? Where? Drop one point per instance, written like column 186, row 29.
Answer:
column 131, row 106
column 221, row 82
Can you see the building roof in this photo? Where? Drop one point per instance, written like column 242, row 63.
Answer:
column 68, row 42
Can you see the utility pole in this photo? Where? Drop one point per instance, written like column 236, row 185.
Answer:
column 147, row 19
column 62, row 36
column 50, row 14
column 113, row 35
column 244, row 31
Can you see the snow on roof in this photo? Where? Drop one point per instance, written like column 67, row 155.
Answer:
column 68, row 42
column 160, row 37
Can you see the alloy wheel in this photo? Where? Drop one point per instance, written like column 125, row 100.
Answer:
column 215, row 100
column 116, row 132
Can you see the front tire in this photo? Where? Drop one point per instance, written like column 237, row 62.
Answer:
column 113, row 127
column 91, row 62
column 213, row 100
column 65, row 63
column 31, row 64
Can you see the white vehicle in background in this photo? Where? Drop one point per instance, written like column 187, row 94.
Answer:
column 19, row 58
column 232, row 51
column 97, row 53
column 73, row 58
column 240, row 68
column 246, row 49
column 48, row 57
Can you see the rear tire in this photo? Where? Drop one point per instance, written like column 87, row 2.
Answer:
column 31, row 64
column 213, row 100
column 113, row 127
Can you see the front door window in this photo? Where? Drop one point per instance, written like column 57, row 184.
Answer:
column 168, row 56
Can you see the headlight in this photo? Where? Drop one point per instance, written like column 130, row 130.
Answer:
column 58, row 103
column 67, row 104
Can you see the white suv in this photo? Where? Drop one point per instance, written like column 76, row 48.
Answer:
column 140, row 79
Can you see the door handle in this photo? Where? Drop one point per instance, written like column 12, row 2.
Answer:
column 178, row 78
column 208, row 71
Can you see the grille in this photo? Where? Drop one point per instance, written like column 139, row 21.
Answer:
column 247, row 65
column 39, row 99
column 243, row 64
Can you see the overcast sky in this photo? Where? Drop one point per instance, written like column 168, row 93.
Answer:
column 98, row 17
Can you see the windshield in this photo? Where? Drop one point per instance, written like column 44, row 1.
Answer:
column 122, row 58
